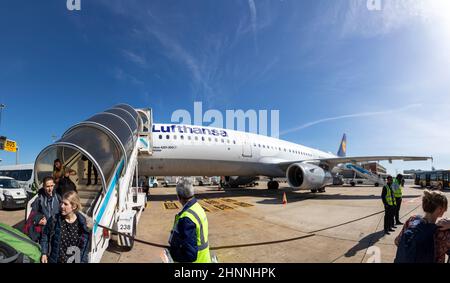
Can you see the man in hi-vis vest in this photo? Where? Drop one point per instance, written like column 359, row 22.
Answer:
column 189, row 236
column 388, row 198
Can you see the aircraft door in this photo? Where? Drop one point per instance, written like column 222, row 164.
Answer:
column 246, row 148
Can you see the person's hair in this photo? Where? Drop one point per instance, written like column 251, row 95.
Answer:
column 54, row 164
column 389, row 177
column 399, row 177
column 185, row 189
column 432, row 200
column 74, row 200
column 46, row 179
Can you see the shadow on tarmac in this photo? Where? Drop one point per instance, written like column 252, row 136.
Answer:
column 365, row 243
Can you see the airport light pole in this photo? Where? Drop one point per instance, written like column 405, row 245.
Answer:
column 17, row 155
column 1, row 111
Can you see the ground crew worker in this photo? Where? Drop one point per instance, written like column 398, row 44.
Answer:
column 189, row 236
column 388, row 198
column 397, row 187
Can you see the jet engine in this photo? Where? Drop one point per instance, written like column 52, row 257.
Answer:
column 305, row 176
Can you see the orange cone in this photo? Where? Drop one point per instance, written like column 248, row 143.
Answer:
column 284, row 198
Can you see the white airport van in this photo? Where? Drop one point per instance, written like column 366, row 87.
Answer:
column 12, row 195
column 23, row 174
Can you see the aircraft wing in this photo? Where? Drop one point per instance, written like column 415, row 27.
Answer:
column 357, row 159
column 332, row 162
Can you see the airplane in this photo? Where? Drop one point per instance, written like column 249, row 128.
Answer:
column 187, row 150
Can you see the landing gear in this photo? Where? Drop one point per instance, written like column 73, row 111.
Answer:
column 321, row 190
column 273, row 185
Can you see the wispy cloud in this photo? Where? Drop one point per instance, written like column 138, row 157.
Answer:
column 252, row 6
column 121, row 75
column 180, row 54
column 135, row 58
column 356, row 115
column 355, row 19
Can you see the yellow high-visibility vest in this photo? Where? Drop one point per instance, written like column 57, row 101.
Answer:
column 197, row 215
column 389, row 199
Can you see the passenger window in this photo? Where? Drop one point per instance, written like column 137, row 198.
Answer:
column 167, row 137
column 209, row 139
column 160, row 137
column 189, row 137
column 175, row 137
column 216, row 139
column 196, row 138
column 203, row 138
column 182, row 137
column 234, row 142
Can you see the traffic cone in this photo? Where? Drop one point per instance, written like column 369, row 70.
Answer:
column 284, row 198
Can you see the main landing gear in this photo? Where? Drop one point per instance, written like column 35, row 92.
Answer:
column 273, row 185
column 321, row 190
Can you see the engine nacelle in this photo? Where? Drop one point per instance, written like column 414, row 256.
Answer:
column 304, row 176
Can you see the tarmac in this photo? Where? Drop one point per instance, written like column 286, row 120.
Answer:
column 252, row 225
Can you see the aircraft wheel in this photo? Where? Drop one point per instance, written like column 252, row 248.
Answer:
column 352, row 184
column 314, row 191
column 322, row 190
column 273, row 185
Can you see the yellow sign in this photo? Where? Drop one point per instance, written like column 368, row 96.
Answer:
column 10, row 146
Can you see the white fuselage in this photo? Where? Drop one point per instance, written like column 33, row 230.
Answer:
column 185, row 150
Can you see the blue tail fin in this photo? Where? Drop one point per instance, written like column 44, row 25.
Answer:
column 343, row 148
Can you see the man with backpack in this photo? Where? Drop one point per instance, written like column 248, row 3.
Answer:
column 43, row 208
column 419, row 242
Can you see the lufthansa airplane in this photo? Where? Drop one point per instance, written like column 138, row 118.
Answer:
column 186, row 150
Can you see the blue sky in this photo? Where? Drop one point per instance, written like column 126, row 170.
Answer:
column 330, row 67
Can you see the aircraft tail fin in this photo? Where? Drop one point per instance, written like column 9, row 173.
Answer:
column 343, row 148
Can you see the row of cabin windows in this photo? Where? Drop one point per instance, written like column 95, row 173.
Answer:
column 196, row 138
column 281, row 149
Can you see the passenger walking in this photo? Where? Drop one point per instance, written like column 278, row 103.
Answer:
column 397, row 187
column 387, row 196
column 420, row 241
column 89, row 172
column 189, row 236
column 60, row 171
column 65, row 238
column 48, row 202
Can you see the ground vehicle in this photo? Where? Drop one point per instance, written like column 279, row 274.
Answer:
column 12, row 195
column 153, row 182
column 359, row 181
column 215, row 180
column 170, row 181
column 23, row 174
column 438, row 179
column 202, row 181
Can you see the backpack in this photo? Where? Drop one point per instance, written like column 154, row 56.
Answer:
column 417, row 242
column 32, row 228
column 65, row 185
column 17, row 247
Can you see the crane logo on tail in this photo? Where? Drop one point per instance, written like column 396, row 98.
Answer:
column 343, row 148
